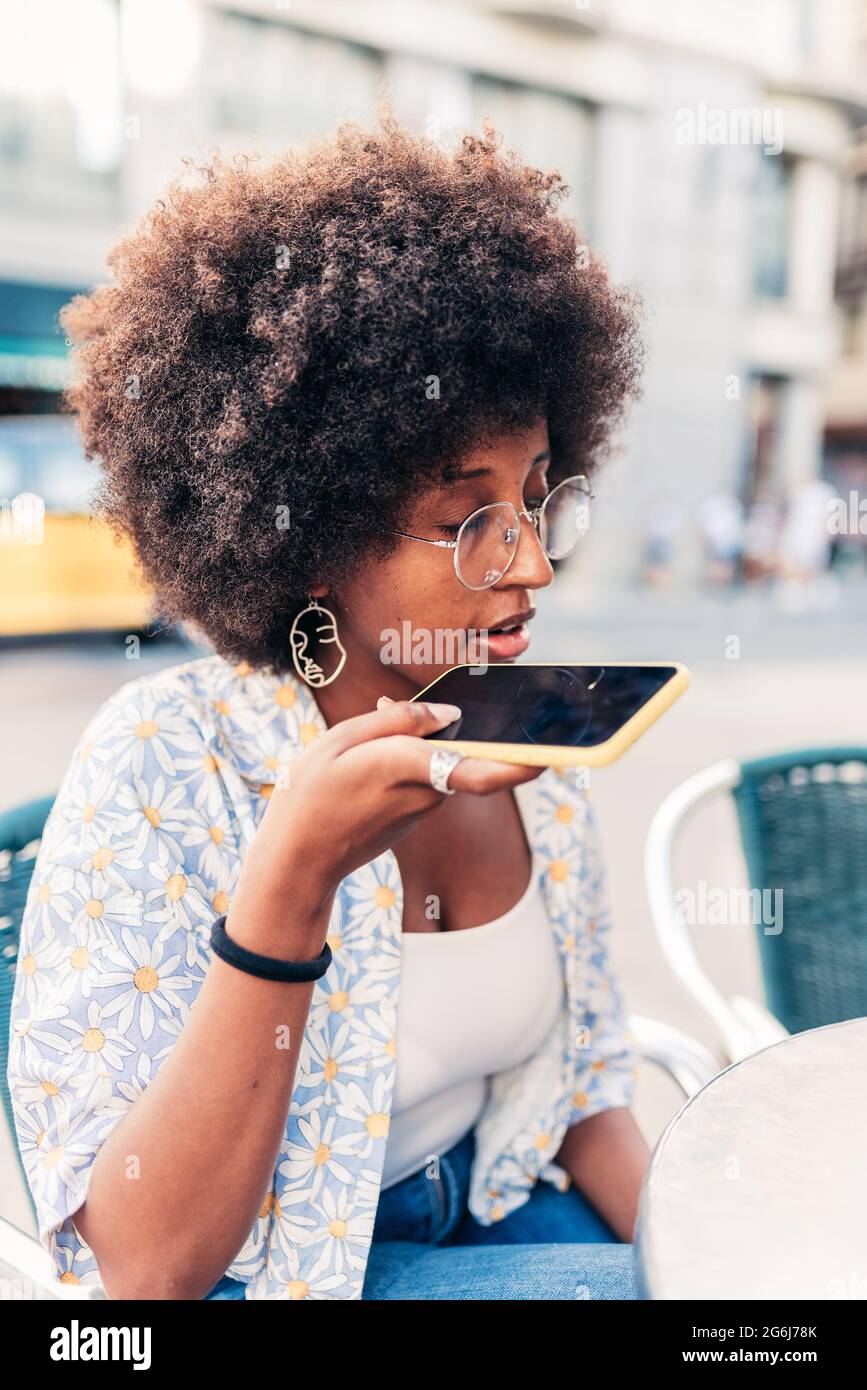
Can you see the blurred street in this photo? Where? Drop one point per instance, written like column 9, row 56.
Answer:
column 801, row 680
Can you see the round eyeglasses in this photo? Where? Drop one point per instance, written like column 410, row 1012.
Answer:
column 487, row 542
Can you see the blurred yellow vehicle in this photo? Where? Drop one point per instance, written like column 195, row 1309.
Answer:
column 60, row 571
column 76, row 579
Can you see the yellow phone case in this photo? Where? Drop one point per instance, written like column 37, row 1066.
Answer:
column 556, row 755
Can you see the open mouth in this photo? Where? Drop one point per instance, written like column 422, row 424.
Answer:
column 508, row 641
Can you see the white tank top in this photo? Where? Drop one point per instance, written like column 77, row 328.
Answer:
column 472, row 1003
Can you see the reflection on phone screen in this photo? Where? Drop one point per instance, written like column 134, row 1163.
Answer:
column 572, row 706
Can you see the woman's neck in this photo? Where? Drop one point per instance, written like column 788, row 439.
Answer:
column 357, row 689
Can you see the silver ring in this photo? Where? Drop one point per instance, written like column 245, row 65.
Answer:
column 442, row 765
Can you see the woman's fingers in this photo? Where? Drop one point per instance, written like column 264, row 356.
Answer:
column 480, row 776
column 409, row 762
column 404, row 723
column 414, row 717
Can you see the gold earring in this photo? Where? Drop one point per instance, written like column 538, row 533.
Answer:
column 326, row 630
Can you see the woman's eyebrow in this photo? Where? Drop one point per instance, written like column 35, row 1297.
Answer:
column 486, row 472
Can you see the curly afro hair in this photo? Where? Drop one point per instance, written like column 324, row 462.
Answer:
column 292, row 352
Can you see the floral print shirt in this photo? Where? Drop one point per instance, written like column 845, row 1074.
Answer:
column 142, row 850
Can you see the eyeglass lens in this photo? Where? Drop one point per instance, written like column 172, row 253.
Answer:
column 489, row 539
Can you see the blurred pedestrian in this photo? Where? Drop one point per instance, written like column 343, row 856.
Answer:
column 721, row 520
column 805, row 540
column 662, row 524
column 761, row 534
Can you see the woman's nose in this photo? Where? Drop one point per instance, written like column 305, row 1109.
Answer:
column 531, row 566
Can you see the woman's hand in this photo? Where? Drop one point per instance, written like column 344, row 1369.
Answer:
column 356, row 791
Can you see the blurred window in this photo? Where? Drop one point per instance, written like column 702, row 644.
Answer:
column 60, row 106
column 551, row 131
column 281, row 84
column 851, row 284
column 763, row 436
column 772, row 201
column 41, row 454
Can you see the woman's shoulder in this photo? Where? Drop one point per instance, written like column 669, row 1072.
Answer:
column 206, row 700
column 187, row 722
column 186, row 690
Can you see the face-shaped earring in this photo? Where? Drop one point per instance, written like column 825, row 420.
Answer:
column 326, row 631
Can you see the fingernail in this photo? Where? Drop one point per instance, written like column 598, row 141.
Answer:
column 444, row 712
column 383, row 700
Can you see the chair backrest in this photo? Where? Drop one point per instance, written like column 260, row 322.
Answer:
column 20, row 831
column 803, row 822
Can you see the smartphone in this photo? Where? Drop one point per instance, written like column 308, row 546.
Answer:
column 543, row 714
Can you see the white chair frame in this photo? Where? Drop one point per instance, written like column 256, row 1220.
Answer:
column 744, row 1025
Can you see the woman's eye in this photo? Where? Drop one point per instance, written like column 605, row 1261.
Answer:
column 449, row 530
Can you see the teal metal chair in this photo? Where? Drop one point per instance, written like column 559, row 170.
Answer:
column 802, row 817
column 20, row 832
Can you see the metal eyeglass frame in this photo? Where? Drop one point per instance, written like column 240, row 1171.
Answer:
column 533, row 514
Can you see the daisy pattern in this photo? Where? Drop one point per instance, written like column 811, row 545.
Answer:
column 333, row 1002
column 148, row 728
column 148, row 806
column 61, row 1160
column 108, row 853
column 210, row 846
column 343, row 1233
column 97, row 1046
column 52, row 896
column 318, row 1152
column 32, row 1030
column 79, row 969
column 375, row 898
column 87, row 806
column 34, row 971
column 325, row 1058
column 562, row 868
column 92, row 758
column 102, row 906
column 137, row 1083
column 345, row 939
column 556, row 816
column 180, row 896
column 149, row 982
column 143, row 848
column 374, row 1035
column 70, row 1265
column 43, row 1089
column 292, row 1283
column 369, row 1109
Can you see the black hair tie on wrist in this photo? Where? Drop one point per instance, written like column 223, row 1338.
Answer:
column 266, row 967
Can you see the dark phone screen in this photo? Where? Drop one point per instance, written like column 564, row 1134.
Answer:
column 574, row 706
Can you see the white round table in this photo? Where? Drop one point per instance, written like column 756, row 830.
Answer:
column 758, row 1187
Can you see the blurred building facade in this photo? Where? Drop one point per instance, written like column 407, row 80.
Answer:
column 716, row 155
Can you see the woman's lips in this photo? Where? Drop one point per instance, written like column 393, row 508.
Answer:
column 507, row 645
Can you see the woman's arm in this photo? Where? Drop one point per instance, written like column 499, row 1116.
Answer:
column 606, row 1157
column 176, row 1187
column 148, row 1162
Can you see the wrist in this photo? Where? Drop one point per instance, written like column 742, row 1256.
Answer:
column 288, row 924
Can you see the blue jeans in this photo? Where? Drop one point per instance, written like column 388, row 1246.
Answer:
column 427, row 1245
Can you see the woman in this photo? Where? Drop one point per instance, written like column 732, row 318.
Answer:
column 302, row 374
